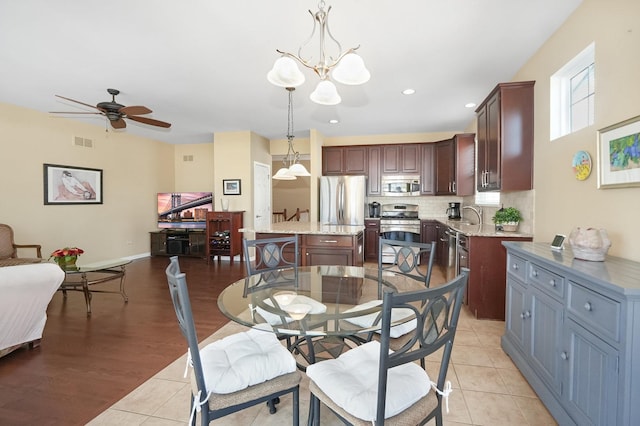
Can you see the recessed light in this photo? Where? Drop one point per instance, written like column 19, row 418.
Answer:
column 469, row 105
column 333, row 121
column 408, row 91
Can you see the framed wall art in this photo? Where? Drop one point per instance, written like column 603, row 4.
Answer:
column 231, row 187
column 72, row 185
column 619, row 154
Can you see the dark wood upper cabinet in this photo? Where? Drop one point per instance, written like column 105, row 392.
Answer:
column 427, row 170
column 341, row 160
column 401, row 159
column 374, row 184
column 505, row 138
column 332, row 160
column 455, row 165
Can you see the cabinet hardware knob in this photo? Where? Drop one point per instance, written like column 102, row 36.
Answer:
column 534, row 273
column 588, row 306
column 552, row 283
column 564, row 355
column 527, row 314
column 515, row 266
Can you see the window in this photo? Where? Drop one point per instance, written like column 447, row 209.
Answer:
column 572, row 94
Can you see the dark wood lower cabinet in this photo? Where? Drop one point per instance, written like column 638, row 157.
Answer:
column 487, row 284
column 327, row 249
column 371, row 237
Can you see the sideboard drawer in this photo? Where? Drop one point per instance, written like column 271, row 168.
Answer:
column 594, row 309
column 547, row 281
column 517, row 266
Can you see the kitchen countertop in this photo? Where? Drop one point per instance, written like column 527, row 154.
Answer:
column 293, row 227
column 464, row 227
column 483, row 230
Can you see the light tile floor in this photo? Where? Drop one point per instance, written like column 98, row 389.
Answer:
column 488, row 389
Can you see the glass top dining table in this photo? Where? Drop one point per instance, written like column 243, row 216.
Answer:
column 313, row 300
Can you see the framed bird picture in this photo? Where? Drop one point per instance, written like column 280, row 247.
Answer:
column 72, row 185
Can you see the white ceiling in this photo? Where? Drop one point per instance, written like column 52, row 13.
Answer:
column 201, row 64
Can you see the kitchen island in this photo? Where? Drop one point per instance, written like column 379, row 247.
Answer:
column 319, row 244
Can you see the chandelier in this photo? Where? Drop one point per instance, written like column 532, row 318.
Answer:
column 292, row 168
column 346, row 67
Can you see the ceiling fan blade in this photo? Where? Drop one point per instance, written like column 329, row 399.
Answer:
column 150, row 121
column 135, row 110
column 73, row 112
column 118, row 124
column 78, row 102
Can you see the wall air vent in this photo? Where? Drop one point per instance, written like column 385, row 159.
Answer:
column 78, row 141
column 187, row 158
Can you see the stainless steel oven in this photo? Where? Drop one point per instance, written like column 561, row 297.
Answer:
column 399, row 222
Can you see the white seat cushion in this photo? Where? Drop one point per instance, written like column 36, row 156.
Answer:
column 275, row 319
column 244, row 359
column 397, row 314
column 351, row 381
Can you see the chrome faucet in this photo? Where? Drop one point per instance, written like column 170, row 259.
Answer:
column 477, row 211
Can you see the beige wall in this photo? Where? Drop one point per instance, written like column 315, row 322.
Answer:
column 561, row 201
column 194, row 167
column 134, row 170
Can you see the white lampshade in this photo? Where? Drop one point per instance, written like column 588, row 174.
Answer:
column 325, row 94
column 285, row 73
column 284, row 174
column 351, row 70
column 298, row 169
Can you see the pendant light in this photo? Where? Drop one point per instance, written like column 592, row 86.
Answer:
column 291, row 167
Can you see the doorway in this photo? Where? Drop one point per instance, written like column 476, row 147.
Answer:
column 261, row 195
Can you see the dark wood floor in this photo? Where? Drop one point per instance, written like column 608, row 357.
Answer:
column 85, row 364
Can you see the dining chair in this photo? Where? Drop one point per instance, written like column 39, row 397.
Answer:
column 271, row 254
column 372, row 384
column 414, row 260
column 276, row 262
column 236, row 372
column 406, row 261
column 279, row 216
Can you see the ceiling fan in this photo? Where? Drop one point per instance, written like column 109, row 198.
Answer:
column 116, row 113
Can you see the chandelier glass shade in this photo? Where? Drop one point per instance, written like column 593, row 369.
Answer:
column 291, row 167
column 347, row 67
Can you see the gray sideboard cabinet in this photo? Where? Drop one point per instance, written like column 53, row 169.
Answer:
column 572, row 327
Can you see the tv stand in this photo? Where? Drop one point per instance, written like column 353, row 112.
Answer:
column 178, row 242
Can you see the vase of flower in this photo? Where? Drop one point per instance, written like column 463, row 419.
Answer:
column 66, row 257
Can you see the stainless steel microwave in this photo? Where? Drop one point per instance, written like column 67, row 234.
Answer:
column 396, row 186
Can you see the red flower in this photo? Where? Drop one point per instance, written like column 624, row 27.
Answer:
column 66, row 252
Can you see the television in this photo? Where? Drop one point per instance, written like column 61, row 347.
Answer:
column 184, row 210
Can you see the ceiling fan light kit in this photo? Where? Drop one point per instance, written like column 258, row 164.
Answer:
column 116, row 113
column 347, row 67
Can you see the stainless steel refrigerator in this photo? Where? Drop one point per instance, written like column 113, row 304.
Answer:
column 342, row 200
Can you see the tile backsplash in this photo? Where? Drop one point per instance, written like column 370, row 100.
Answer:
column 436, row 207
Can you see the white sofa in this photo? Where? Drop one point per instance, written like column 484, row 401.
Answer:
column 25, row 293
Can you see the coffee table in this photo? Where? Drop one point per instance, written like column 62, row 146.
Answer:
column 80, row 278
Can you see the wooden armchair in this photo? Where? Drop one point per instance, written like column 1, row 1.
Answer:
column 9, row 249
